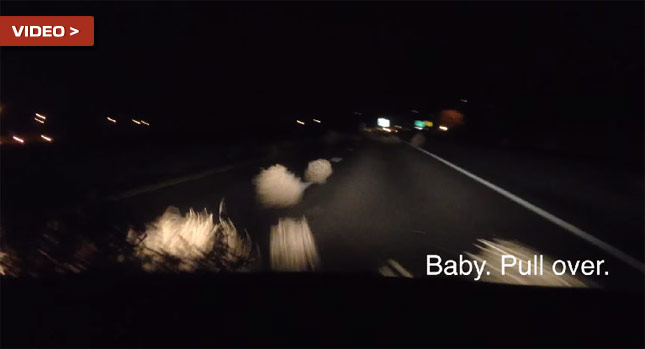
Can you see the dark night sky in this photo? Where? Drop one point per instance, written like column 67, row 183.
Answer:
column 212, row 61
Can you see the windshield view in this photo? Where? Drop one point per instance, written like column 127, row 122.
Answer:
column 342, row 174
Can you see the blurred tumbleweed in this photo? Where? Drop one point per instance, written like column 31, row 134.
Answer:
column 318, row 171
column 292, row 246
column 192, row 240
column 277, row 187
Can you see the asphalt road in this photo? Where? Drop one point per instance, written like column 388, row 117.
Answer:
column 393, row 202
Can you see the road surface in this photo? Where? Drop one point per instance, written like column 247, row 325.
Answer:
column 391, row 204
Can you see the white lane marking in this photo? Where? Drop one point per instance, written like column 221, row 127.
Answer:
column 386, row 271
column 520, row 281
column 629, row 260
column 398, row 267
column 153, row 187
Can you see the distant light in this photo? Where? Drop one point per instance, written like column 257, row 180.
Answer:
column 418, row 124
column 48, row 139
column 18, row 139
column 418, row 128
column 300, row 122
column 383, row 122
column 136, row 122
column 111, row 120
column 397, row 126
column 41, row 116
column 464, row 100
column 414, row 111
column 316, row 120
column 443, row 128
column 38, row 120
column 387, row 129
column 145, row 122
column 428, row 123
